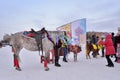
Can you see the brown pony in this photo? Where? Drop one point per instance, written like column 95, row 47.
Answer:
column 75, row 49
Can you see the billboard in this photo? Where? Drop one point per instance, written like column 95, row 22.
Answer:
column 78, row 28
column 75, row 30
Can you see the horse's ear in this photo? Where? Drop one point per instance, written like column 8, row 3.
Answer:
column 43, row 28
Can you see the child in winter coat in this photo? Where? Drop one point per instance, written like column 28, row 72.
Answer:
column 110, row 50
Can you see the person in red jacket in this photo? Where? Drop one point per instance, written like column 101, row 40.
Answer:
column 110, row 50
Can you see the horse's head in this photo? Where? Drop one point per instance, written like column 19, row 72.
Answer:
column 44, row 31
column 47, row 35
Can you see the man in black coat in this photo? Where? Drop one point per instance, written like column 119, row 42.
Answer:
column 57, row 51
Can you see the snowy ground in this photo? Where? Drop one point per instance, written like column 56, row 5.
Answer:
column 32, row 69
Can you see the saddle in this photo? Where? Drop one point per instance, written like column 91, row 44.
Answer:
column 96, row 46
column 38, row 36
column 33, row 34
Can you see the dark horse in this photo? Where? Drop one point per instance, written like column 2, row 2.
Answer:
column 92, row 48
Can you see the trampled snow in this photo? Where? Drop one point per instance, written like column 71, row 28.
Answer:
column 32, row 69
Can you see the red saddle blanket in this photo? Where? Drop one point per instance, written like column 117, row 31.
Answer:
column 27, row 33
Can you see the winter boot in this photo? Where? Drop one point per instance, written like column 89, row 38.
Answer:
column 57, row 65
column 56, row 62
column 64, row 59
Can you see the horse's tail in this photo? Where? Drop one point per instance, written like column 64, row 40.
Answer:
column 5, row 41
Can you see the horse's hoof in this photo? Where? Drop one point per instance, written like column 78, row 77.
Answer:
column 18, row 69
column 46, row 69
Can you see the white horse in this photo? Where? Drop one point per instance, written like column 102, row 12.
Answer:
column 19, row 41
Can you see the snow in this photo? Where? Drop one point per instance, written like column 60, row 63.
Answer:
column 32, row 69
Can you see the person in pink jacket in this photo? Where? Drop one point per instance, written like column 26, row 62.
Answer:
column 110, row 50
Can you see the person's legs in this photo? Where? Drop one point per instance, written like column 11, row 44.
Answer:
column 115, row 57
column 102, row 52
column 57, row 61
column 110, row 63
column 57, row 57
column 64, row 54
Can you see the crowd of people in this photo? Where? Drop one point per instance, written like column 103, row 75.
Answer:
column 110, row 46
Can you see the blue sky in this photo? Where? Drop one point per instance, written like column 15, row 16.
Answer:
column 19, row 15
